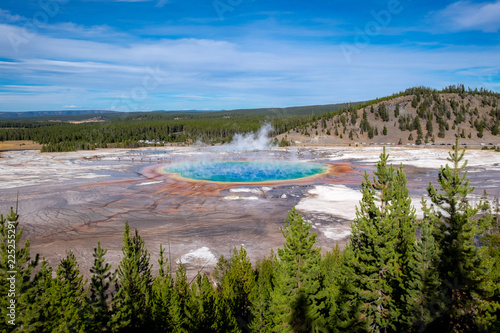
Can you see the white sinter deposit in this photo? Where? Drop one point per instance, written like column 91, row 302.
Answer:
column 336, row 200
column 203, row 255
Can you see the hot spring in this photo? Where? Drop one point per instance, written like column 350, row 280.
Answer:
column 245, row 171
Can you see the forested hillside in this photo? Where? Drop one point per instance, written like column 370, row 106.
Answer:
column 417, row 116
column 397, row 274
column 64, row 132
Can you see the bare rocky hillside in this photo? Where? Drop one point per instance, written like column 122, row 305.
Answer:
column 418, row 116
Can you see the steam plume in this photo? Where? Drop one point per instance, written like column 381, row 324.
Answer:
column 251, row 141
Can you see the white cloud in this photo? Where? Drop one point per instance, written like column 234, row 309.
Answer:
column 161, row 3
column 6, row 16
column 464, row 16
column 74, row 66
column 96, row 32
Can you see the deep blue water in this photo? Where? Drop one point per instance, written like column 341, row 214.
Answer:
column 238, row 172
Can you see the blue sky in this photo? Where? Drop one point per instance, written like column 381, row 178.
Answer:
column 132, row 55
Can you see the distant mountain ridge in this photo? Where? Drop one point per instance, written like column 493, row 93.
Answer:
column 284, row 111
column 24, row 114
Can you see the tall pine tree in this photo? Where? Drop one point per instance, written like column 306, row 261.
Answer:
column 238, row 282
column 422, row 282
column 41, row 313
column 347, row 315
column 297, row 299
column 16, row 268
column 331, row 271
column 261, row 294
column 382, row 240
column 464, row 266
column 67, row 293
column 162, row 291
column 492, row 243
column 100, row 283
column 131, row 303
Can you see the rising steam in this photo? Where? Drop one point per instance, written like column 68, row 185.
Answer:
column 251, row 141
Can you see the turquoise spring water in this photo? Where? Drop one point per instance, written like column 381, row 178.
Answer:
column 243, row 172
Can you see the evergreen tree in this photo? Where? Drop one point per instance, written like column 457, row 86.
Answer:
column 492, row 242
column 354, row 115
column 396, row 111
column 40, row 312
column 162, row 291
column 212, row 311
column 381, row 239
column 429, row 127
column 384, row 114
column 131, row 303
column 370, row 132
column 237, row 285
column 298, row 299
column 404, row 219
column 261, row 294
column 464, row 267
column 331, row 265
column 67, row 294
column 204, row 303
column 16, row 268
column 181, row 311
column 99, row 290
column 224, row 318
column 422, row 280
column 347, row 316
column 373, row 245
column 220, row 270
column 365, row 124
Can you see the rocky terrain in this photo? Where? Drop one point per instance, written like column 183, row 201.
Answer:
column 424, row 117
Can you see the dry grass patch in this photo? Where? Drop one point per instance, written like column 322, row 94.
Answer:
column 19, row 145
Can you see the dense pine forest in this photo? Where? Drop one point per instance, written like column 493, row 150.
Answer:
column 133, row 131
column 416, row 116
column 396, row 274
column 129, row 130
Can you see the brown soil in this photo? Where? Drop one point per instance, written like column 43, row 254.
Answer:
column 19, row 145
column 318, row 135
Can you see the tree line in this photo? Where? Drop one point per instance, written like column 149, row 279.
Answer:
column 396, row 274
column 220, row 127
column 130, row 131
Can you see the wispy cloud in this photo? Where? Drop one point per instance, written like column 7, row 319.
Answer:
column 96, row 32
column 6, row 16
column 215, row 74
column 161, row 3
column 188, row 60
column 465, row 16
